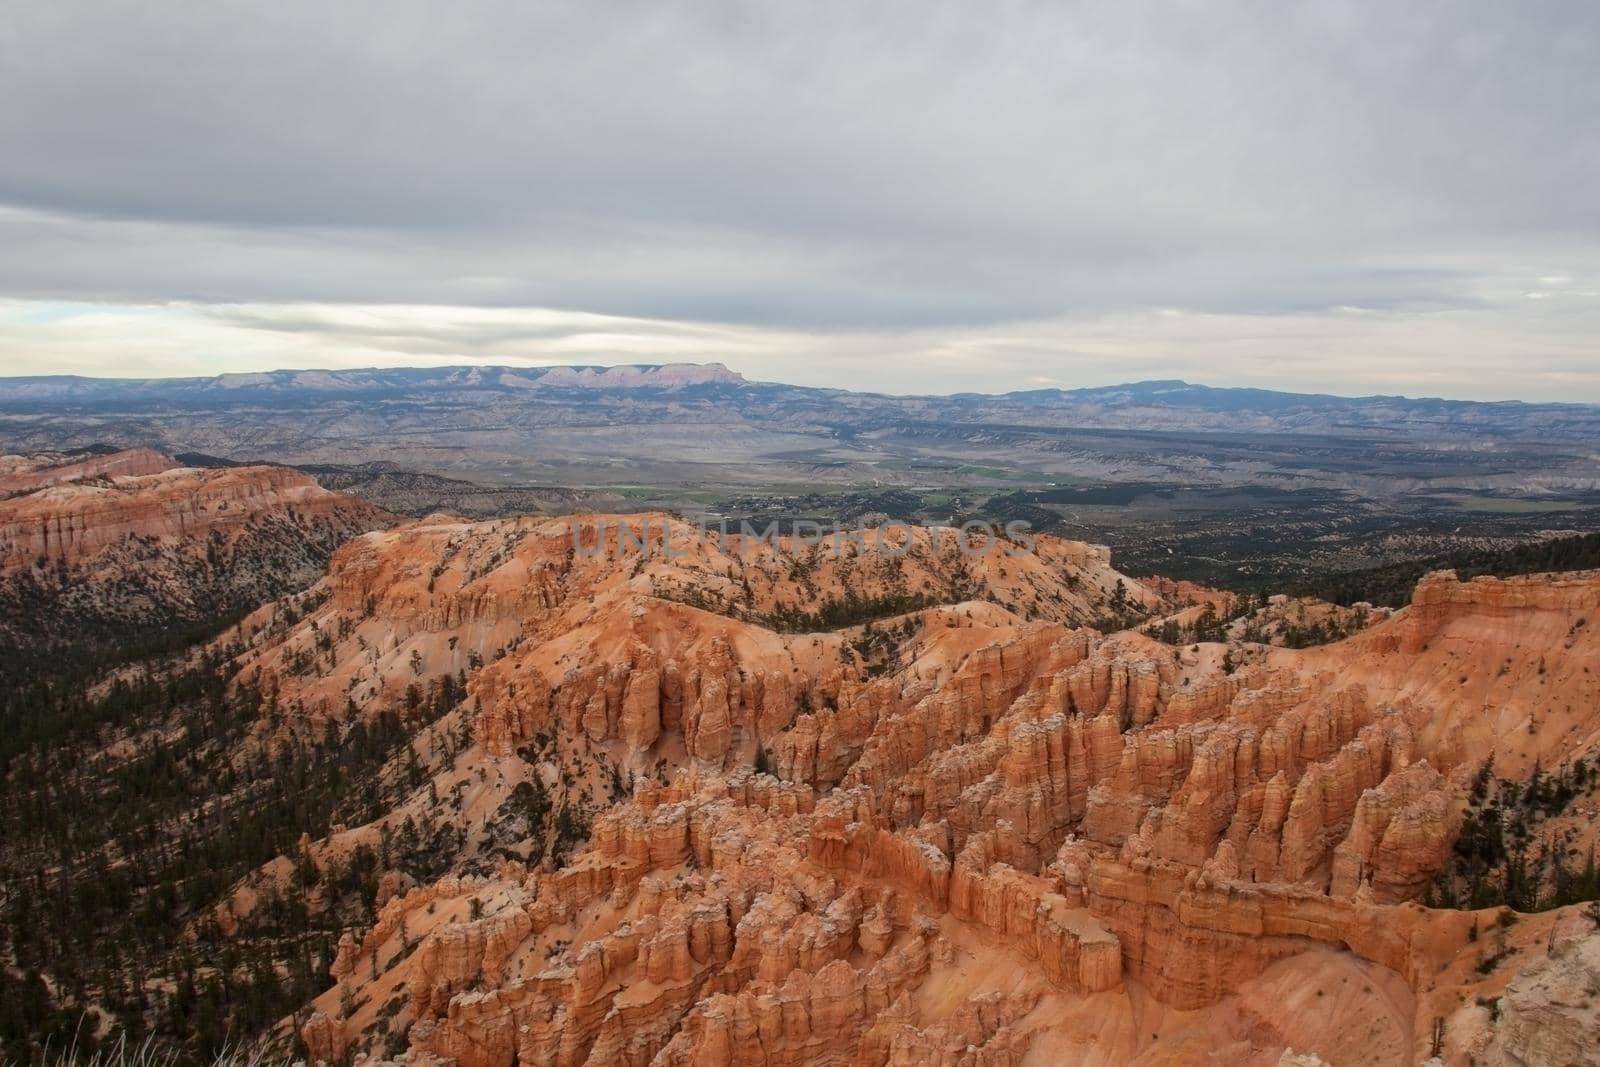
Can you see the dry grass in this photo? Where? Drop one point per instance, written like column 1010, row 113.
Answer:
column 145, row 1053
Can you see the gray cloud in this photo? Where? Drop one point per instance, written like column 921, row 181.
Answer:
column 884, row 169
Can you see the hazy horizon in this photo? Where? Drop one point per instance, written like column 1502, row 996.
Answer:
column 756, row 380
column 1347, row 197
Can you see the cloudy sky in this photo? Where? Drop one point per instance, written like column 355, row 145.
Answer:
column 1352, row 197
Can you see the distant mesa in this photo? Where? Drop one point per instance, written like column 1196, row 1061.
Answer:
column 666, row 376
column 69, row 389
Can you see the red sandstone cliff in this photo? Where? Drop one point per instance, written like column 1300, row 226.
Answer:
column 93, row 548
column 24, row 474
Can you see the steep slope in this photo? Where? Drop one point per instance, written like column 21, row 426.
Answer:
column 954, row 832
column 118, row 549
column 1507, row 668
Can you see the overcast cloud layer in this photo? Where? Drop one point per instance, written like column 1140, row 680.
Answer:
column 1351, row 197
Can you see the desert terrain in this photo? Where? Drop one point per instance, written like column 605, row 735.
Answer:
column 526, row 790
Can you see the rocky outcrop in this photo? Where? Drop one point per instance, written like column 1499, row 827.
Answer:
column 1550, row 1013
column 807, row 1018
column 463, row 954
column 931, row 841
column 1440, row 596
column 324, row 1038
column 1400, row 837
column 22, row 474
column 132, row 544
column 1071, row 947
column 75, row 521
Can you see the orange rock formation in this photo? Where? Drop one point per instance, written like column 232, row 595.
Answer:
column 73, row 514
column 971, row 833
column 96, row 550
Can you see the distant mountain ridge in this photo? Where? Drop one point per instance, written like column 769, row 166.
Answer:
column 1176, row 392
column 76, row 389
column 1168, row 392
column 701, row 424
